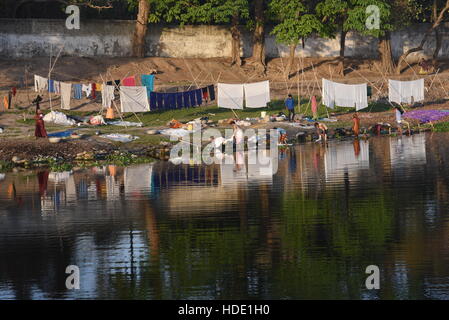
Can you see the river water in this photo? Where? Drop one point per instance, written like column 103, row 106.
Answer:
column 307, row 230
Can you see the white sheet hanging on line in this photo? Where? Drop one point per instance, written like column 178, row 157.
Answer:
column 406, row 91
column 40, row 83
column 230, row 96
column 66, row 94
column 57, row 86
column 134, row 99
column 107, row 95
column 345, row 95
column 257, row 95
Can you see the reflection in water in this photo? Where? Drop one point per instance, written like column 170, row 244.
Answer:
column 305, row 227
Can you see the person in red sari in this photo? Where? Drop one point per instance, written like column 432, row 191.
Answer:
column 40, row 131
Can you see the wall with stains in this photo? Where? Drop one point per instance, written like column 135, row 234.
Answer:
column 37, row 37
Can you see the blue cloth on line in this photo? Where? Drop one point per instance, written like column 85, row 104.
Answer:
column 179, row 100
column 199, row 97
column 77, row 91
column 186, row 98
column 160, row 101
column 172, row 101
column 166, row 101
column 153, row 101
column 211, row 92
column 192, row 96
column 51, row 86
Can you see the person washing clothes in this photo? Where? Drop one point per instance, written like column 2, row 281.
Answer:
column 321, row 130
column 282, row 135
column 290, row 105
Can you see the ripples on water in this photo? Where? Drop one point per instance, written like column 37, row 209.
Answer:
column 307, row 230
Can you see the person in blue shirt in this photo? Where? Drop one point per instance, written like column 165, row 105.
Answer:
column 290, row 105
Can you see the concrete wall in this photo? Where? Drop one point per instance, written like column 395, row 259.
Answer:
column 28, row 38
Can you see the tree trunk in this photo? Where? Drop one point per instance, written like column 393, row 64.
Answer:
column 235, row 32
column 438, row 18
column 438, row 41
column 291, row 59
column 140, row 31
column 341, row 58
column 386, row 56
column 259, row 36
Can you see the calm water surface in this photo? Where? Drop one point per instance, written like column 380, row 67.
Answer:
column 307, row 231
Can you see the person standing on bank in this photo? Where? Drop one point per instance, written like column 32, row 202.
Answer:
column 40, row 131
column 290, row 105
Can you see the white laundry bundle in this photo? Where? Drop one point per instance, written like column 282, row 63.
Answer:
column 107, row 95
column 406, row 91
column 230, row 96
column 345, row 95
column 134, row 99
column 66, row 94
column 40, row 83
column 257, row 95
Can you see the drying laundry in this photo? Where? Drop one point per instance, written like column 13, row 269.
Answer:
column 148, row 81
column 87, row 89
column 406, row 91
column 211, row 90
column 107, row 95
column 66, row 93
column 345, row 95
column 205, row 94
column 186, row 99
column 57, row 86
column 94, row 91
column 51, row 86
column 153, row 100
column 77, row 91
column 179, row 100
column 129, row 82
column 199, row 97
column 230, row 96
column 257, row 94
column 134, row 99
column 40, row 83
column 192, row 97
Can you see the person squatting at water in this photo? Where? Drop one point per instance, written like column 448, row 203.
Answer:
column 321, row 130
column 290, row 105
column 40, row 131
column 282, row 135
